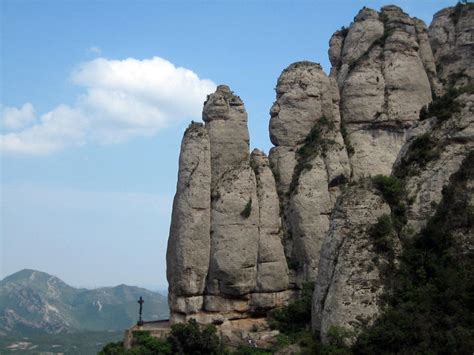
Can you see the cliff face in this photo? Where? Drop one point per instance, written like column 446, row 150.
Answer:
column 429, row 152
column 451, row 40
column 385, row 71
column 248, row 231
column 225, row 255
column 309, row 160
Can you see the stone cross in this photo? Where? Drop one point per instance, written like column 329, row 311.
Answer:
column 140, row 301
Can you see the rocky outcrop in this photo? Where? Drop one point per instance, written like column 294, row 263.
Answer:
column 226, row 124
column 310, row 161
column 434, row 151
column 452, row 42
column 225, row 256
column 348, row 285
column 189, row 243
column 272, row 270
column 385, row 72
column 248, row 231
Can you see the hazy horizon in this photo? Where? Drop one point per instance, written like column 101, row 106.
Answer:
column 94, row 99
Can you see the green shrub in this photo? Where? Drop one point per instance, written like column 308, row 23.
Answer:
column 314, row 144
column 391, row 188
column 191, row 338
column 458, row 9
column 442, row 107
column 296, row 316
column 247, row 350
column 382, row 234
column 247, row 209
column 421, row 151
column 430, row 308
column 338, row 336
column 113, row 349
column 142, row 344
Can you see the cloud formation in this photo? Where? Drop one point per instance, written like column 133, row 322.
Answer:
column 123, row 99
column 17, row 118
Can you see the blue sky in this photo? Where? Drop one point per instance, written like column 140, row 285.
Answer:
column 95, row 97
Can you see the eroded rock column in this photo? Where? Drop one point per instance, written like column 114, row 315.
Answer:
column 189, row 243
column 309, row 161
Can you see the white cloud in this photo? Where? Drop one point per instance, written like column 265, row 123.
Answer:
column 17, row 118
column 94, row 50
column 123, row 99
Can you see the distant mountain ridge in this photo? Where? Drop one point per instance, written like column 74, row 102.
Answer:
column 32, row 301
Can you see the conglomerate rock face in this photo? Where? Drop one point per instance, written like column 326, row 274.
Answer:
column 310, row 161
column 225, row 255
column 385, row 72
column 449, row 142
column 189, row 243
column 247, row 231
column 226, row 123
column 348, row 285
column 428, row 153
column 452, row 41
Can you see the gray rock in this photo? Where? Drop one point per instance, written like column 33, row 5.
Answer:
column 306, row 100
column 452, row 42
column 385, row 72
column 272, row 271
column 226, row 123
column 189, row 243
column 234, row 234
column 348, row 284
column 304, row 94
column 454, row 139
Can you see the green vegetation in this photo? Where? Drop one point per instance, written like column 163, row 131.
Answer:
column 246, row 350
column 382, row 234
column 185, row 339
column 344, row 31
column 314, row 144
column 421, row 151
column 430, row 308
column 458, row 9
column 297, row 315
column 294, row 323
column 247, row 209
column 442, row 107
column 191, row 338
column 345, row 136
column 142, row 343
column 81, row 343
column 394, row 193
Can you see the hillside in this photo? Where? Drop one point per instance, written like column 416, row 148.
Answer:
column 34, row 302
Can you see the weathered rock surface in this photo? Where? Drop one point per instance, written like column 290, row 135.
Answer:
column 348, row 284
column 452, row 41
column 225, row 254
column 247, row 231
column 226, row 123
column 272, row 270
column 307, row 103
column 449, row 142
column 385, row 72
column 234, row 250
column 189, row 243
